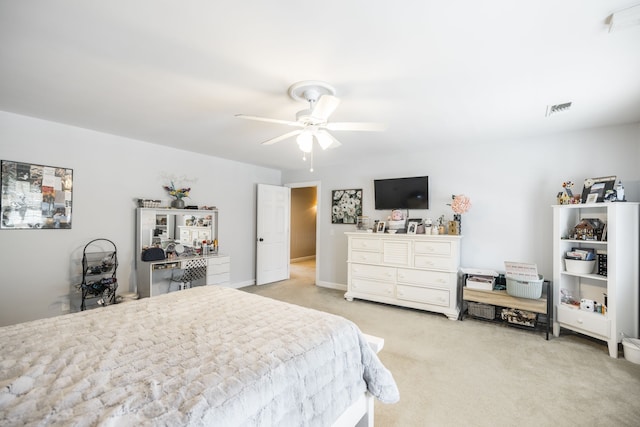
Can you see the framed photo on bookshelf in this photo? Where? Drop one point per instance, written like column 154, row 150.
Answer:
column 592, row 198
column 597, row 188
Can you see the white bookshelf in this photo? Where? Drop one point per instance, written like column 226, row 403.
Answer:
column 620, row 284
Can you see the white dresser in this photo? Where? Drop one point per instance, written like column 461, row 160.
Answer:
column 410, row 270
column 218, row 270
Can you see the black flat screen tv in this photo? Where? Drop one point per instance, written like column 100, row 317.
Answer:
column 402, row 193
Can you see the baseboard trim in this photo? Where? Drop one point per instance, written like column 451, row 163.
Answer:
column 242, row 284
column 331, row 285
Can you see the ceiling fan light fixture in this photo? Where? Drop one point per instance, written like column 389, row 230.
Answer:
column 313, row 123
column 305, row 142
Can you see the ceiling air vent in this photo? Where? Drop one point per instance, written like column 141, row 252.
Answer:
column 557, row 108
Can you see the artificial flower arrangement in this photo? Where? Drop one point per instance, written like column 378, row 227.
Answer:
column 178, row 193
column 460, row 204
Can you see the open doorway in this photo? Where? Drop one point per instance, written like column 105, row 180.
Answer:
column 304, row 240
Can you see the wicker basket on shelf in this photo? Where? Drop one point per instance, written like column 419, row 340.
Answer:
column 148, row 203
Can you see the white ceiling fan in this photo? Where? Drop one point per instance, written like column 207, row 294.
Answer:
column 313, row 123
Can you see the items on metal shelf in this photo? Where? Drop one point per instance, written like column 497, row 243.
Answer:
column 99, row 266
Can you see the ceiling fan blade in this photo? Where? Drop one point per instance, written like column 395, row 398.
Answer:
column 326, row 140
column 358, row 126
column 325, row 106
column 264, row 119
column 282, row 137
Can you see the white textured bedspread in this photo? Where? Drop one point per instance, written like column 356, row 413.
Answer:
column 206, row 356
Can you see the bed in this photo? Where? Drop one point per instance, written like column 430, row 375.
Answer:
column 206, row 356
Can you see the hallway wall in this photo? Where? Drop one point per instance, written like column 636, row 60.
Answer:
column 303, row 222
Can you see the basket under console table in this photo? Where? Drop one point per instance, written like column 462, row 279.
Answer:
column 499, row 298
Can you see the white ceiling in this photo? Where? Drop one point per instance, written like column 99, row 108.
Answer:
column 436, row 72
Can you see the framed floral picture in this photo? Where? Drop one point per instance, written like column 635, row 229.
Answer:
column 346, row 206
column 35, row 196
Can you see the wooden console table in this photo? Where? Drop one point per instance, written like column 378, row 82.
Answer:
column 543, row 305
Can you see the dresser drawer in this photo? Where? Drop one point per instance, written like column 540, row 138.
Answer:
column 423, row 295
column 396, row 252
column 218, row 268
column 433, row 262
column 218, row 279
column 432, row 248
column 218, row 260
column 426, row 278
column 368, row 257
column 372, row 287
column 387, row 274
column 590, row 322
column 366, row 244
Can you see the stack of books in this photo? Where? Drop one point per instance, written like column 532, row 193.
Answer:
column 583, row 254
column 602, row 262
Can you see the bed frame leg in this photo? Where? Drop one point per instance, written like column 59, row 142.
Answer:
column 367, row 419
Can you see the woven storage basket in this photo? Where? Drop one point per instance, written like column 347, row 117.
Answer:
column 531, row 289
column 484, row 311
column 147, row 203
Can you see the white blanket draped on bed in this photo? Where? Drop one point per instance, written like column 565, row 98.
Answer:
column 204, row 356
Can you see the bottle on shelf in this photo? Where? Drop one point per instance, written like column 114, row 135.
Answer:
column 620, row 191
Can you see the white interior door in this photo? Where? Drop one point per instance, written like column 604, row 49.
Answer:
column 273, row 229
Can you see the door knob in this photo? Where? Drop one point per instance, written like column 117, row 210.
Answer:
column 260, row 239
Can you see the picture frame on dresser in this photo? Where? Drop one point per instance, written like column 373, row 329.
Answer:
column 381, row 227
column 416, row 221
column 412, row 228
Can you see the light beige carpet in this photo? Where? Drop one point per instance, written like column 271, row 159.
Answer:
column 475, row 373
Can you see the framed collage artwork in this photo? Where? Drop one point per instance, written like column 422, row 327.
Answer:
column 35, row 196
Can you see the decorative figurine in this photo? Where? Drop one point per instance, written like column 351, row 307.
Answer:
column 396, row 215
column 620, row 192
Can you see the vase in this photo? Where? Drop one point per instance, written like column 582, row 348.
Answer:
column 458, row 219
column 177, row 204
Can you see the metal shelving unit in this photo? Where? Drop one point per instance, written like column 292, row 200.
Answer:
column 99, row 266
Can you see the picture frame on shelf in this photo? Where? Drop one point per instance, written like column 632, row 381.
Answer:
column 381, row 226
column 599, row 186
column 412, row 228
column 592, row 198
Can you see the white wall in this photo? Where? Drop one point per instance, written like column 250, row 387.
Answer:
column 110, row 173
column 512, row 185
